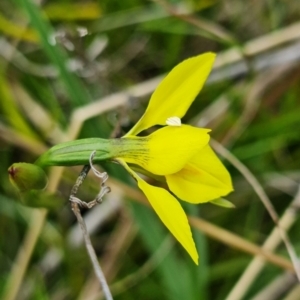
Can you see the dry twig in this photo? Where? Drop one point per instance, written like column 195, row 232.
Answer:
column 76, row 204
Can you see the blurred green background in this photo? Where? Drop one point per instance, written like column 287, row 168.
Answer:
column 74, row 69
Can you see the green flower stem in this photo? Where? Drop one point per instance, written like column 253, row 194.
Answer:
column 77, row 152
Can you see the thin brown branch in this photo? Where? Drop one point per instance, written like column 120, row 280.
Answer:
column 91, row 252
column 75, row 202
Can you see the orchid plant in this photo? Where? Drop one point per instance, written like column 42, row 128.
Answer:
column 178, row 154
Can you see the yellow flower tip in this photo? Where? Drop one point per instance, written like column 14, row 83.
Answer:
column 169, row 211
column 196, row 260
column 194, row 254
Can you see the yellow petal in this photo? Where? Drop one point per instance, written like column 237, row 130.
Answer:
column 176, row 92
column 204, row 178
column 170, row 212
column 167, row 150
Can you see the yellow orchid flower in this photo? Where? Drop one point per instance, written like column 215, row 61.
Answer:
column 181, row 153
column 177, row 152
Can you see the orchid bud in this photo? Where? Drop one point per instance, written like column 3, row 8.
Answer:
column 27, row 177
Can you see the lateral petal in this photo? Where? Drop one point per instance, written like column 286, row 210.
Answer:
column 176, row 92
column 167, row 150
column 204, row 178
column 169, row 211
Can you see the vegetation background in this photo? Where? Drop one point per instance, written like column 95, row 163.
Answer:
column 74, row 69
